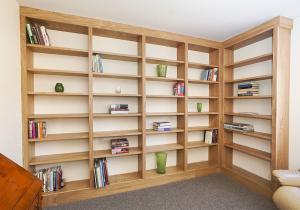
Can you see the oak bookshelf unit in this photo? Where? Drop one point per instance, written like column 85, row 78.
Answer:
column 78, row 123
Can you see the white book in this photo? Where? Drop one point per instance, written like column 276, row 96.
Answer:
column 45, row 36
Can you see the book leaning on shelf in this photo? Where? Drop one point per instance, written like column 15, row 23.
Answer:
column 37, row 129
column 210, row 74
column 97, row 63
column 211, row 136
column 100, row 173
column 178, row 89
column 37, row 34
column 51, row 178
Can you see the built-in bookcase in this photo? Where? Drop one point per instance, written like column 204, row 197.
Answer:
column 80, row 127
column 78, row 123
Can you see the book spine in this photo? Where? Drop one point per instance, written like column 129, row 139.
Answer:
column 45, row 35
column 29, row 33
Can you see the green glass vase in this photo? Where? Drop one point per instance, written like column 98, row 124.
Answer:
column 161, row 70
column 161, row 160
column 59, row 87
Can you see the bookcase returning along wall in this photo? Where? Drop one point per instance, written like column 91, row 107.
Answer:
column 80, row 127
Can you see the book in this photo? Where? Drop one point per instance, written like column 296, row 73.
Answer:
column 239, row 127
column 208, row 137
column 100, row 173
column 29, row 33
column 209, row 74
column 97, row 63
column 51, row 178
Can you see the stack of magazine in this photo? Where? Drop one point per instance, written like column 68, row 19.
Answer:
column 239, row 127
column 162, row 126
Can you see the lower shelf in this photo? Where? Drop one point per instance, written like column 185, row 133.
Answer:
column 71, row 186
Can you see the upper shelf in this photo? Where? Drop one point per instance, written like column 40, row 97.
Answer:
column 249, row 115
column 164, row 61
column 197, row 81
column 57, row 72
column 118, row 56
column 166, row 79
column 57, row 50
column 250, row 61
column 249, row 97
column 116, row 76
column 56, row 94
column 201, row 65
column 257, row 78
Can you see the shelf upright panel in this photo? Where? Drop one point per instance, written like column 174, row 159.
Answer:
column 90, row 106
column 142, row 106
column 182, row 103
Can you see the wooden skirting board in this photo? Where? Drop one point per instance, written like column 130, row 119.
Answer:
column 72, row 196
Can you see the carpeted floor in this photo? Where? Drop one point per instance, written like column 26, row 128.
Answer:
column 210, row 192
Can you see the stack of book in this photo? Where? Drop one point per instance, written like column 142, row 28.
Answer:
column 211, row 136
column 162, row 126
column 101, row 173
column 37, row 34
column 210, row 74
column 118, row 109
column 248, row 89
column 178, row 89
column 239, row 127
column 97, row 63
column 119, row 146
column 51, row 178
column 37, row 130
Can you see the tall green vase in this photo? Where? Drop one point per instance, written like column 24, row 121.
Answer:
column 161, row 70
column 161, row 160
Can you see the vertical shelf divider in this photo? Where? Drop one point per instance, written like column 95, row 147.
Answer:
column 90, row 107
column 142, row 105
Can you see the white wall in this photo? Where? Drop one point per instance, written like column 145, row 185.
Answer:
column 295, row 97
column 10, row 82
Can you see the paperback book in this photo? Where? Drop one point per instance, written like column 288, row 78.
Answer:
column 100, row 173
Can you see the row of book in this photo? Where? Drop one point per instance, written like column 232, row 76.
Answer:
column 239, row 127
column 37, row 129
column 51, row 178
column 248, row 89
column 118, row 109
column 178, row 89
column 100, row 173
column 210, row 74
column 162, row 126
column 119, row 146
column 37, row 34
column 211, row 136
column 97, row 63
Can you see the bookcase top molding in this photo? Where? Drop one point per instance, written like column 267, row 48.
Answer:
column 73, row 23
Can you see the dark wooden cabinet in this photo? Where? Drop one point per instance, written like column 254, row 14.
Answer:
column 19, row 189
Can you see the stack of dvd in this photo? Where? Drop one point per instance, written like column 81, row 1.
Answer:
column 119, row 146
column 119, row 109
column 162, row 126
column 248, row 89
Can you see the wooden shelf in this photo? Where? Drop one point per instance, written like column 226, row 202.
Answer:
column 117, row 133
column 201, row 128
column 202, row 113
column 257, row 78
column 197, row 81
column 58, row 116
column 107, row 115
column 173, row 130
column 255, row 116
column 164, row 61
column 116, row 95
column 56, row 94
column 57, row 50
column 171, row 170
column 166, row 79
column 118, row 56
column 265, row 136
column 197, row 144
column 250, row 151
column 163, row 96
column 59, row 158
column 151, row 114
column 63, row 136
column 203, row 97
column 58, row 72
column 116, row 76
column 250, row 61
column 249, row 97
column 201, row 65
column 163, row 147
column 71, row 187
column 107, row 153
column 123, row 178
column 201, row 165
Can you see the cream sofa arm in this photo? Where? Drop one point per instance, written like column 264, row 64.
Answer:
column 288, row 177
column 287, row 198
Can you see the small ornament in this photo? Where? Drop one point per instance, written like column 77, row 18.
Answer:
column 118, row 89
column 59, row 88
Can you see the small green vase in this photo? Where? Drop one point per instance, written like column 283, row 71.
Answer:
column 59, row 87
column 161, row 160
column 161, row 70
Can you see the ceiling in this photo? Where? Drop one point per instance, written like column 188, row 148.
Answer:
column 213, row 19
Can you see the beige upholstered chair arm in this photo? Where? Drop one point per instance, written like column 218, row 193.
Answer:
column 288, row 177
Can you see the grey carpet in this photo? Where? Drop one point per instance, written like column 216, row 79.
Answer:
column 209, row 192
